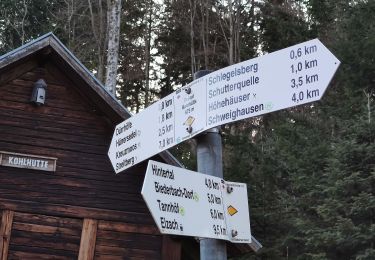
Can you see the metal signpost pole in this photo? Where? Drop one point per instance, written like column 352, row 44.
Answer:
column 209, row 161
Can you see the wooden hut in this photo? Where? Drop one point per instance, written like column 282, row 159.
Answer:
column 59, row 195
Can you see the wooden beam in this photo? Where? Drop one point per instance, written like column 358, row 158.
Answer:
column 171, row 248
column 18, row 55
column 128, row 227
column 88, row 239
column 70, row 211
column 5, row 230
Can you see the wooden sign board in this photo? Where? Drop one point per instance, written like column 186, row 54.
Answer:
column 28, row 161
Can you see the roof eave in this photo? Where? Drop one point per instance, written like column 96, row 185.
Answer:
column 50, row 40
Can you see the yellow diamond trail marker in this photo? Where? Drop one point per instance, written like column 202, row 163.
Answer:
column 189, row 121
column 232, row 210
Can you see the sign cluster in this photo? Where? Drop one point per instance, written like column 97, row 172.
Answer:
column 184, row 202
column 293, row 76
column 188, row 203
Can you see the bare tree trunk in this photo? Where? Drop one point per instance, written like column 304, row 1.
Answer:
column 252, row 13
column 103, row 41
column 70, row 10
column 237, row 45
column 368, row 95
column 231, row 36
column 23, row 22
column 204, row 7
column 224, row 34
column 148, row 53
column 114, row 15
column 99, row 35
column 193, row 8
column 206, row 35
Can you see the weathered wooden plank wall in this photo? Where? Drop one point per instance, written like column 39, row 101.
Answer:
column 120, row 240
column 76, row 135
column 51, row 207
column 44, row 237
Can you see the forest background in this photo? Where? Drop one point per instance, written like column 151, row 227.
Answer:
column 310, row 170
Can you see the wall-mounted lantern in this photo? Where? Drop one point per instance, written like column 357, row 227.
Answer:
column 38, row 96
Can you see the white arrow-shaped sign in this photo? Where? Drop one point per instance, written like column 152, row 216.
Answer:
column 293, row 76
column 188, row 203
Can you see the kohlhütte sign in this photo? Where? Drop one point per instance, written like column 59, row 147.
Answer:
column 27, row 161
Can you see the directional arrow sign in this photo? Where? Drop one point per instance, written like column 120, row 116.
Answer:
column 282, row 79
column 188, row 203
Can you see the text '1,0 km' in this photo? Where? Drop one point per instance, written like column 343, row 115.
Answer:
column 285, row 78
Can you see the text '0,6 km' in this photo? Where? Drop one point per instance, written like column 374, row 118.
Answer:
column 293, row 76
